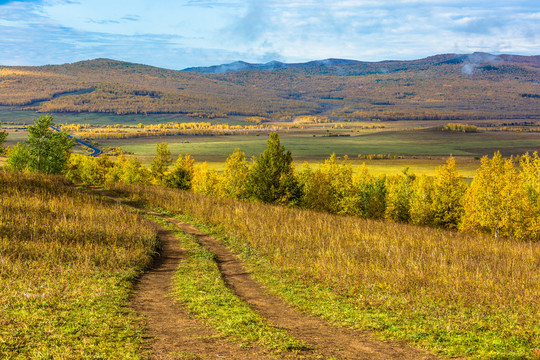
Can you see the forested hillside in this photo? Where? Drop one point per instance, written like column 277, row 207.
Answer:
column 448, row 86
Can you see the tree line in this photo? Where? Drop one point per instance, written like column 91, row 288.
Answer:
column 503, row 199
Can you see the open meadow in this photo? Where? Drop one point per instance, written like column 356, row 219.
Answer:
column 386, row 147
column 66, row 274
column 455, row 294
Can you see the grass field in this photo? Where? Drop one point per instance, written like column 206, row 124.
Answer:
column 453, row 293
column 67, row 263
column 306, row 147
column 424, row 150
column 422, row 144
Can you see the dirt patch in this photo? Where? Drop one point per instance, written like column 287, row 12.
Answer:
column 172, row 333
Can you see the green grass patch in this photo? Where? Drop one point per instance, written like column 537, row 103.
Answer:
column 199, row 286
column 425, row 144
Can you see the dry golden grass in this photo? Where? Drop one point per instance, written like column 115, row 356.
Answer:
column 67, row 261
column 458, row 294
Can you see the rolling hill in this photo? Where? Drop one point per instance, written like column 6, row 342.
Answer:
column 449, row 86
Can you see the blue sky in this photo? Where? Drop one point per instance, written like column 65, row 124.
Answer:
column 181, row 33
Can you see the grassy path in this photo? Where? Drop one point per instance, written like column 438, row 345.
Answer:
column 173, row 333
column 323, row 341
column 330, row 342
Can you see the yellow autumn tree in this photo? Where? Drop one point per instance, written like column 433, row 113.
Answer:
column 89, row 170
column 496, row 201
column 317, row 190
column 134, row 172
column 448, row 192
column 366, row 196
column 421, row 201
column 328, row 187
column 205, row 180
column 234, row 177
column 398, row 197
column 116, row 173
column 530, row 176
column 160, row 162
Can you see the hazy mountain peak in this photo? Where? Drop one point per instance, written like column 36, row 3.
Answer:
column 336, row 66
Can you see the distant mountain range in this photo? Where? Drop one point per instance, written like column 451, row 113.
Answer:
column 448, row 86
column 343, row 67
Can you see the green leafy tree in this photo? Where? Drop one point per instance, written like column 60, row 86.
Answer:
column 360, row 195
column 181, row 175
column 271, row 179
column 49, row 151
column 18, row 158
column 134, row 172
column 369, row 195
column 160, row 163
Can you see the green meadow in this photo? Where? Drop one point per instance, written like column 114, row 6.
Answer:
column 420, row 146
column 435, row 147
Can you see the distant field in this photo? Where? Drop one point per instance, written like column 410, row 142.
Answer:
column 306, row 147
column 423, row 150
column 421, row 144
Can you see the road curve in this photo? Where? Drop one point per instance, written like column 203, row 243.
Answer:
column 83, row 143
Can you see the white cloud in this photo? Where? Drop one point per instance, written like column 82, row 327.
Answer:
column 178, row 34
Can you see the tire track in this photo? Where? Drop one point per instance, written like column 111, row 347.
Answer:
column 171, row 330
column 328, row 340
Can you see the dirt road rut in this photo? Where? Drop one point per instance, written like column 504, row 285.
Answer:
column 327, row 341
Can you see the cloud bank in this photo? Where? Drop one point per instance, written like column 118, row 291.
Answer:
column 179, row 34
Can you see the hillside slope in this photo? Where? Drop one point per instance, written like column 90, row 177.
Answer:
column 442, row 86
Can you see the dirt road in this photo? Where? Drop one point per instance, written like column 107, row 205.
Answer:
column 174, row 334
